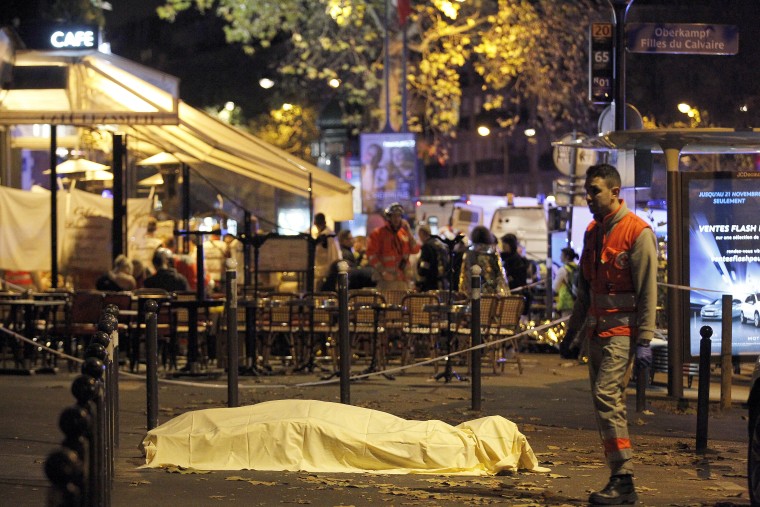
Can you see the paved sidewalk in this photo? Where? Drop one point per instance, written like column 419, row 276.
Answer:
column 550, row 403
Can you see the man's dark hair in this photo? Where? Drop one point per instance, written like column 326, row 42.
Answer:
column 607, row 172
column 162, row 258
column 319, row 219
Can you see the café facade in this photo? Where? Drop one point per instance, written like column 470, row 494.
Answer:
column 70, row 95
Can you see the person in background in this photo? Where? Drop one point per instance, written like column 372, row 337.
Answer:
column 357, row 276
column 518, row 268
column 346, row 243
column 614, row 313
column 360, row 250
column 389, row 248
column 562, row 282
column 432, row 266
column 119, row 278
column 483, row 252
column 186, row 264
column 326, row 250
column 214, row 255
column 148, row 245
column 166, row 277
column 139, row 272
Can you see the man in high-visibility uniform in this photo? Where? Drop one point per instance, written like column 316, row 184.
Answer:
column 615, row 307
column 389, row 248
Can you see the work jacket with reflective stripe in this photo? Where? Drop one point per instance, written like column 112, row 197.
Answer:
column 388, row 251
column 619, row 276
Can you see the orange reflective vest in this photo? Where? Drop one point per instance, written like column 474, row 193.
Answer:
column 606, row 265
column 388, row 251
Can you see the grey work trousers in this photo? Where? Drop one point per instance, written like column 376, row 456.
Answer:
column 610, row 365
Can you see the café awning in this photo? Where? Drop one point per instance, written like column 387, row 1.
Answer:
column 98, row 90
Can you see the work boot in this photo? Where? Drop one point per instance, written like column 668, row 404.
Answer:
column 619, row 491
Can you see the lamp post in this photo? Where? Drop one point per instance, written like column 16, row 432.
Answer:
column 620, row 7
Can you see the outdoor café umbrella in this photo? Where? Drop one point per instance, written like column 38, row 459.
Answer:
column 162, row 158
column 152, row 181
column 98, row 175
column 77, row 165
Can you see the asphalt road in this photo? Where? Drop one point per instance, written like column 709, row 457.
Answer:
column 550, row 403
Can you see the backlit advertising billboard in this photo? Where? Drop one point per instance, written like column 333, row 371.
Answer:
column 722, row 238
column 389, row 171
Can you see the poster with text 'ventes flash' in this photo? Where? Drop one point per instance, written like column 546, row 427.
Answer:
column 722, row 222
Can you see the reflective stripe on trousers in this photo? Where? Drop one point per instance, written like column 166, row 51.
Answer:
column 610, row 366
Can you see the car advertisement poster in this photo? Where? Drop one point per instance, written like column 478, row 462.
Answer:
column 723, row 241
column 389, row 171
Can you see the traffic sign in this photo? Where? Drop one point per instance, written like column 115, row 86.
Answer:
column 600, row 63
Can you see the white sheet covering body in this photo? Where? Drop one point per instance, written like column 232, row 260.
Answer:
column 318, row 436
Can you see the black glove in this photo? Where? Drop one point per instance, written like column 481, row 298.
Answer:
column 643, row 356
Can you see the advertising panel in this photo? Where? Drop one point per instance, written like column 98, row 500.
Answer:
column 389, row 171
column 722, row 239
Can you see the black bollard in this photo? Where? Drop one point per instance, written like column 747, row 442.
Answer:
column 151, row 352
column 113, row 375
column 232, row 332
column 109, row 324
column 76, row 424
column 64, row 469
column 96, row 358
column 87, row 390
column 726, row 346
column 703, row 391
column 475, row 334
column 344, row 341
column 642, row 379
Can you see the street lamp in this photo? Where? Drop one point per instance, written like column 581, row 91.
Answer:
column 692, row 113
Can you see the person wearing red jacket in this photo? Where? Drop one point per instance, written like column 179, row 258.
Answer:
column 614, row 313
column 389, row 248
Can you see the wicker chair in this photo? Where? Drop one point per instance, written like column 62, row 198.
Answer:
column 421, row 327
column 367, row 324
column 506, row 324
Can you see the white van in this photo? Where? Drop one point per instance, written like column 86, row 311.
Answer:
column 437, row 214
column 528, row 224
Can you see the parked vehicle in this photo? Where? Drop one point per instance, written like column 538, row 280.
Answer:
column 529, row 224
column 441, row 211
column 753, row 449
column 750, row 309
column 714, row 310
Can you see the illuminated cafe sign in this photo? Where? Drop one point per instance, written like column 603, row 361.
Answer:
column 80, row 37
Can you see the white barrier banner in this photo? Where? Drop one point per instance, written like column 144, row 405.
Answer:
column 24, row 230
